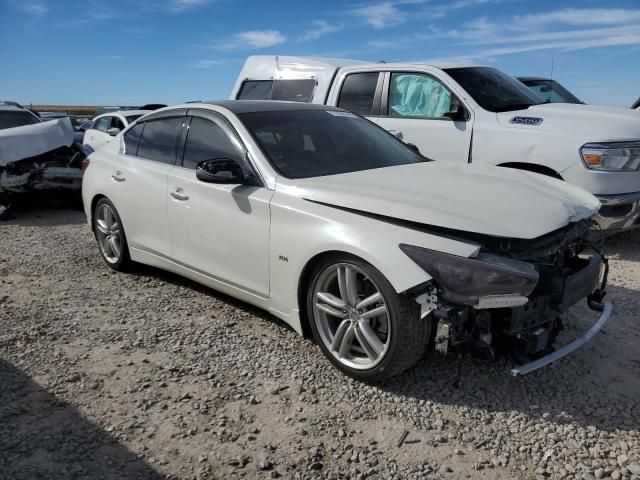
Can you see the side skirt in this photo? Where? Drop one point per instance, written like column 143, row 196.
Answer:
column 291, row 318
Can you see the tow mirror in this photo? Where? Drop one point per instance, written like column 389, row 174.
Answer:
column 456, row 111
column 113, row 131
column 220, row 170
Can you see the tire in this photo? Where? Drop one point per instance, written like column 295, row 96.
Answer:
column 107, row 224
column 344, row 332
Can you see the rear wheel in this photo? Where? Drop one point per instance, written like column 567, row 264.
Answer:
column 361, row 324
column 110, row 235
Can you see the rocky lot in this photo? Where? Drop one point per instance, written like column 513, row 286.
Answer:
column 147, row 375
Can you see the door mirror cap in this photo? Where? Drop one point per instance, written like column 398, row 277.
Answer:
column 220, row 170
column 456, row 111
column 113, row 131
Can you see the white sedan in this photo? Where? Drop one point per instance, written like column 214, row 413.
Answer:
column 347, row 234
column 107, row 126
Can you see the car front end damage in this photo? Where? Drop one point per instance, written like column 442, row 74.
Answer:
column 511, row 297
column 39, row 157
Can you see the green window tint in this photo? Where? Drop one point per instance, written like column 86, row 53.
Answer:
column 417, row 95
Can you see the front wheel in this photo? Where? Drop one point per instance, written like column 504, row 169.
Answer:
column 110, row 235
column 361, row 324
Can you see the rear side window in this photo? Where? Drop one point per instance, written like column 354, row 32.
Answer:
column 132, row 138
column 358, row 92
column 206, row 140
column 116, row 123
column 255, row 90
column 290, row 90
column 16, row 119
column 159, row 140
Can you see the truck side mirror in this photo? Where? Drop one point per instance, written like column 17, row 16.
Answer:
column 456, row 111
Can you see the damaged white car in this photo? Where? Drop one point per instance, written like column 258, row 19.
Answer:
column 35, row 155
column 347, row 234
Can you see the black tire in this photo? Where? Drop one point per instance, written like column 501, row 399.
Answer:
column 409, row 335
column 123, row 263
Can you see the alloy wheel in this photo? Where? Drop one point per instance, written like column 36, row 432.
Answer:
column 351, row 316
column 108, row 232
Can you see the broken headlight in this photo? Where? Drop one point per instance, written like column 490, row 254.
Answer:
column 466, row 280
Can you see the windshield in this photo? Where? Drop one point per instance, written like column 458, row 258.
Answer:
column 494, row 90
column 551, row 91
column 16, row 119
column 314, row 143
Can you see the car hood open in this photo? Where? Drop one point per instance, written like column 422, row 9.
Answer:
column 493, row 201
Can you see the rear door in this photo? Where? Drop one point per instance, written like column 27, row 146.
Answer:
column 150, row 152
column 221, row 230
column 413, row 107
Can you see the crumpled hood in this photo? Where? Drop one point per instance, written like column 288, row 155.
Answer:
column 30, row 140
column 487, row 200
column 592, row 122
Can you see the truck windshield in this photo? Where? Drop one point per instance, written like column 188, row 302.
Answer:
column 550, row 91
column 315, row 143
column 494, row 90
column 16, row 119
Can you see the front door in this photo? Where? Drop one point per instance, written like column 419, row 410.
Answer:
column 413, row 108
column 221, row 230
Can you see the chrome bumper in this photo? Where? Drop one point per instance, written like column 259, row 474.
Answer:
column 619, row 212
column 567, row 349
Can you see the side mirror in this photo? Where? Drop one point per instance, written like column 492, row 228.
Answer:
column 456, row 111
column 220, row 170
column 113, row 131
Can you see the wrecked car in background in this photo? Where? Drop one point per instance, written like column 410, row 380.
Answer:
column 36, row 155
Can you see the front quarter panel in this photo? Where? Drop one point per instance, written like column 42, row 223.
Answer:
column 301, row 230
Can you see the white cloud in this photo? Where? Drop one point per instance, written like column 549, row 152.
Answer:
column 207, row 63
column 380, row 15
column 181, row 5
column 580, row 16
column 36, row 8
column 252, row 39
column 555, row 30
column 319, row 29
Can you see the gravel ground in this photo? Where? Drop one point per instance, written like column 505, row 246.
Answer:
column 148, row 375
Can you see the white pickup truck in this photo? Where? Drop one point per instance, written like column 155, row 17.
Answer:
column 471, row 114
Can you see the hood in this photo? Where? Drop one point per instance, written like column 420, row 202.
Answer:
column 593, row 122
column 28, row 141
column 493, row 201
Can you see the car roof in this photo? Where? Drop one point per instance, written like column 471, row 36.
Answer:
column 251, row 106
column 529, row 79
column 11, row 108
column 124, row 113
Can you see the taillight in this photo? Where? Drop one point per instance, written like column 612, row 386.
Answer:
column 84, row 164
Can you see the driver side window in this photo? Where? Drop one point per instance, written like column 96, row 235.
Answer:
column 206, row 140
column 417, row 95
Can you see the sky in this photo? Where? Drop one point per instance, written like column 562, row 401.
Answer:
column 131, row 52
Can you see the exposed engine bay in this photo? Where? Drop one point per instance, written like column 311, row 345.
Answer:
column 39, row 157
column 562, row 268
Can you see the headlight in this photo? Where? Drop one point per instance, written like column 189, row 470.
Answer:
column 466, row 280
column 611, row 157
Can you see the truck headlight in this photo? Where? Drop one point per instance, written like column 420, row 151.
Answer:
column 612, row 157
column 466, row 280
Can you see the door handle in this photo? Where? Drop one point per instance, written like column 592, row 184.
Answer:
column 117, row 177
column 397, row 134
column 179, row 196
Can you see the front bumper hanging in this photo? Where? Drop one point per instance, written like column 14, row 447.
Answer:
column 567, row 349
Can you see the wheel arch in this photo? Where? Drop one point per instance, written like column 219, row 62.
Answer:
column 533, row 167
